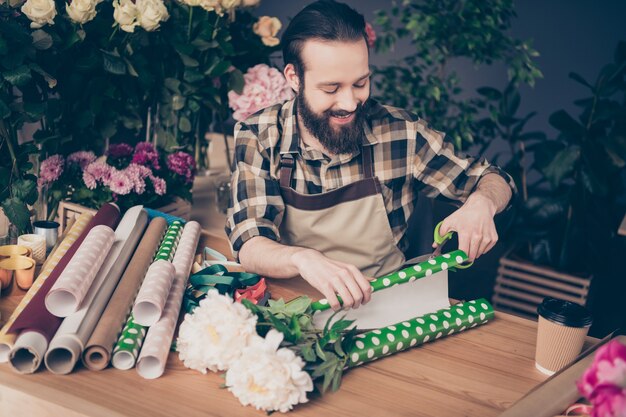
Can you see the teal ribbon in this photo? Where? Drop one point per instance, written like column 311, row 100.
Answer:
column 215, row 277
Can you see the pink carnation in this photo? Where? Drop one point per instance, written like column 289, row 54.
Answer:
column 159, row 185
column 371, row 35
column 182, row 164
column 50, row 170
column 264, row 86
column 120, row 150
column 82, row 158
column 146, row 155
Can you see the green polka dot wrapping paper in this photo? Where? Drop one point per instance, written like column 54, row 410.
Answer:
column 410, row 292
column 388, row 340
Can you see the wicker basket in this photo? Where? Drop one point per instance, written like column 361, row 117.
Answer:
column 69, row 211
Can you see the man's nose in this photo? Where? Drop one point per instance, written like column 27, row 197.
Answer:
column 347, row 101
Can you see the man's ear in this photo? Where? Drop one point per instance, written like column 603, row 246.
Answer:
column 292, row 77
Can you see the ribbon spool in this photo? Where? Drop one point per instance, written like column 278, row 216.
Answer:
column 219, row 278
column 24, row 268
column 7, row 251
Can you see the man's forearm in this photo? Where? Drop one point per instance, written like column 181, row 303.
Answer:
column 266, row 257
column 494, row 189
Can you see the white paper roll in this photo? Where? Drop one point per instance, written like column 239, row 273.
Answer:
column 28, row 352
column 153, row 355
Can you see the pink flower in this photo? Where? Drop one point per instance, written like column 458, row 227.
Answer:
column 604, row 382
column 137, row 175
column 119, row 183
column 264, row 86
column 159, row 185
column 50, row 170
column 182, row 164
column 371, row 35
column 99, row 170
column 82, row 158
column 120, row 150
column 146, row 155
column 609, row 401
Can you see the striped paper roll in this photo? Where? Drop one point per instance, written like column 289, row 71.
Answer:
column 153, row 356
column 97, row 354
column 67, row 345
column 153, row 293
column 7, row 340
column 388, row 340
column 70, row 289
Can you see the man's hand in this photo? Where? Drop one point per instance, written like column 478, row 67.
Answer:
column 332, row 277
column 474, row 225
column 473, row 222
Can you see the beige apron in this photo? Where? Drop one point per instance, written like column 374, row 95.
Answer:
column 348, row 224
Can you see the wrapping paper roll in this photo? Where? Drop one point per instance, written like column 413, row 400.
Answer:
column 67, row 345
column 153, row 294
column 67, row 294
column 127, row 348
column 153, row 356
column 131, row 339
column 37, row 244
column 7, row 340
column 388, row 340
column 35, row 317
column 410, row 274
column 97, row 354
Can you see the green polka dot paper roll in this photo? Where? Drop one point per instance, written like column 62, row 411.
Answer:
column 170, row 242
column 127, row 348
column 388, row 340
column 410, row 274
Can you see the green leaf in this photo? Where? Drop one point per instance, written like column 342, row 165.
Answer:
column 489, row 92
column 218, row 69
column 18, row 214
column 19, row 76
column 25, row 190
column 4, row 110
column 236, row 81
column 188, row 61
column 41, row 39
column 562, row 165
column 562, row 121
column 113, row 63
column 184, row 124
column 578, row 78
column 307, row 353
column 319, row 351
column 298, row 305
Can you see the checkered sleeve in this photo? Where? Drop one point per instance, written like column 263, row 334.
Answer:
column 256, row 206
column 445, row 174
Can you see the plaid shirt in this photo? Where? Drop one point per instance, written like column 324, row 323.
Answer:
column 408, row 158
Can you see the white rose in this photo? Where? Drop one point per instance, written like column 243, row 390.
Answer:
column 212, row 5
column 267, row 377
column 40, row 12
column 151, row 13
column 250, row 3
column 230, row 4
column 192, row 3
column 81, row 11
column 125, row 14
column 213, row 336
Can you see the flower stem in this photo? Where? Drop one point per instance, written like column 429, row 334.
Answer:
column 189, row 25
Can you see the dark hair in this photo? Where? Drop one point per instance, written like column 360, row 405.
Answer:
column 326, row 20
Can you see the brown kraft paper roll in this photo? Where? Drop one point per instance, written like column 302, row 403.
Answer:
column 97, row 352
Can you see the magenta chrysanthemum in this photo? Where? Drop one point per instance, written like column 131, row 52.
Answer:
column 120, row 150
column 182, row 164
column 81, row 158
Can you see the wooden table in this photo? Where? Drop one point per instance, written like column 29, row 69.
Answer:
column 474, row 373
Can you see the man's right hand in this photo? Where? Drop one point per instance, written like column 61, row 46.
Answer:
column 332, row 277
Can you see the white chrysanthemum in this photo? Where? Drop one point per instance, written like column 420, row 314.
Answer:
column 215, row 334
column 269, row 378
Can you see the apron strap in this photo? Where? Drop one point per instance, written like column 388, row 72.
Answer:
column 368, row 163
column 287, row 163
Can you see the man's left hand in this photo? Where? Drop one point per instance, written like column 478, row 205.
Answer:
column 474, row 225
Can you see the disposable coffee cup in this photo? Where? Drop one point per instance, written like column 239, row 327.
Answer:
column 561, row 333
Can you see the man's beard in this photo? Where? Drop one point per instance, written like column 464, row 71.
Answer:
column 343, row 139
